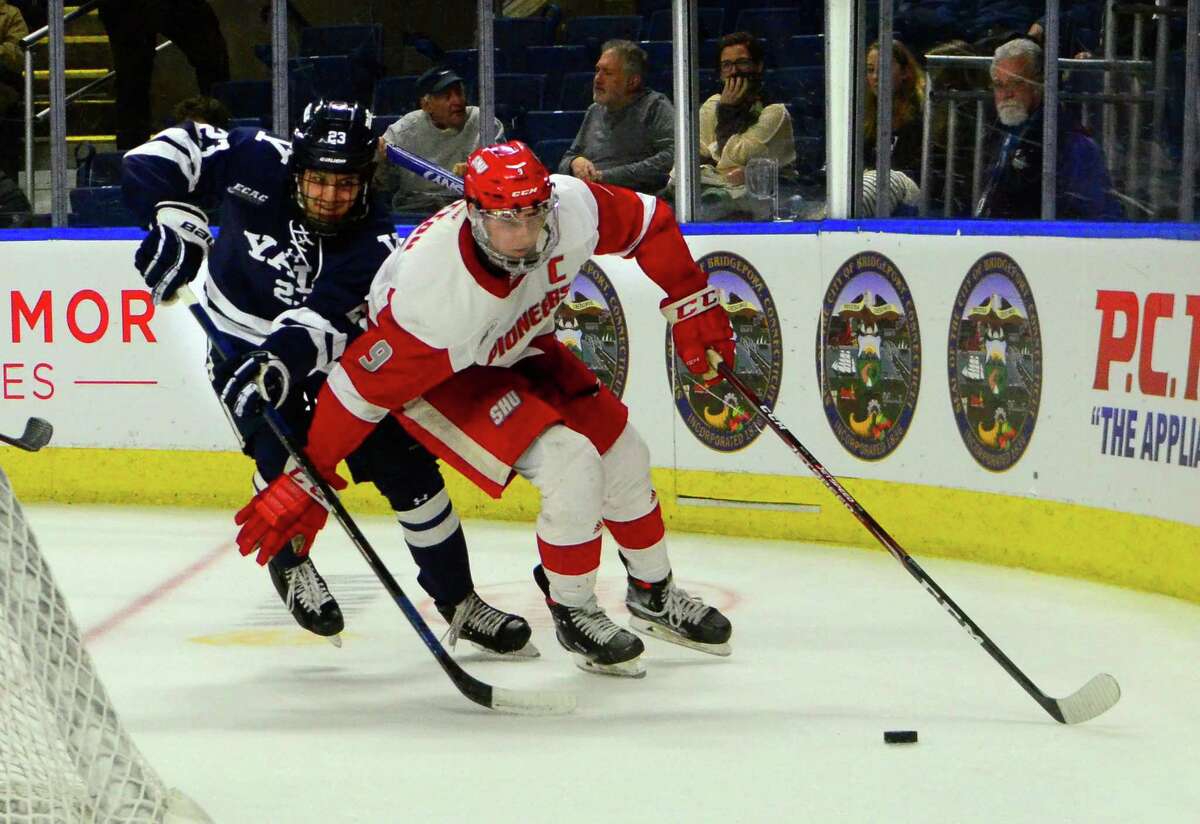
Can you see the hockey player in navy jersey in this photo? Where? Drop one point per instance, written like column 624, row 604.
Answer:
column 461, row 350
column 287, row 279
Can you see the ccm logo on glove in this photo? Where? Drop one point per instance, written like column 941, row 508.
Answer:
column 692, row 305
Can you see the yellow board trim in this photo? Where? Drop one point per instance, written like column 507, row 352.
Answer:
column 1135, row 551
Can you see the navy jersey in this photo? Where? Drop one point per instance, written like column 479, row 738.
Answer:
column 267, row 274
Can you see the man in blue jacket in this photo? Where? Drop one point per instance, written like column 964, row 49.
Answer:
column 1013, row 186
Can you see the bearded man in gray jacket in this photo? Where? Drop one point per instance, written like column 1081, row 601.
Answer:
column 628, row 134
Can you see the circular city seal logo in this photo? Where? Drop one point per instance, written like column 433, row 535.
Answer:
column 869, row 356
column 591, row 324
column 717, row 415
column 995, row 362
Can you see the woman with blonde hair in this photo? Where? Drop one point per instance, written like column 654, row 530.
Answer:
column 908, row 99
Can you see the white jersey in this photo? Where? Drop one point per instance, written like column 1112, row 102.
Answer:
column 440, row 292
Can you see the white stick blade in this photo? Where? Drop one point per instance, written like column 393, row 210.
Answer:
column 524, row 702
column 1093, row 698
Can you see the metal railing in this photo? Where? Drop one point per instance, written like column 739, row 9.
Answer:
column 53, row 33
column 981, row 97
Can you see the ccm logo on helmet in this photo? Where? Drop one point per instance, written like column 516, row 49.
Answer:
column 524, row 192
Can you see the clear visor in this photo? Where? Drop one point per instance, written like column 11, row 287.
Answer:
column 516, row 239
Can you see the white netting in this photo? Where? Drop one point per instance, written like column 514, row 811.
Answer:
column 64, row 756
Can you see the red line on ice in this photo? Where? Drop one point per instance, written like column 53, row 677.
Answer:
column 158, row 593
column 115, row 383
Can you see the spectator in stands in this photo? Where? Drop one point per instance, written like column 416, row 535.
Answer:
column 908, row 100
column 946, row 79
column 132, row 27
column 628, row 134
column 12, row 67
column 1014, row 181
column 444, row 130
column 202, row 109
column 736, row 126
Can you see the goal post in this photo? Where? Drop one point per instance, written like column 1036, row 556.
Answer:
column 64, row 755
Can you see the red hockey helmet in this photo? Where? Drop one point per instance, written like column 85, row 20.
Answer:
column 512, row 206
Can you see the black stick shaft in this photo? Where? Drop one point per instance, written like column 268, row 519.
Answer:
column 471, row 687
column 889, row 543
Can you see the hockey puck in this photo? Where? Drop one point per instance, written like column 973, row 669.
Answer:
column 900, row 737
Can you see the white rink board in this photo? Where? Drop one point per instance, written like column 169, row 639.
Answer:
column 1064, row 460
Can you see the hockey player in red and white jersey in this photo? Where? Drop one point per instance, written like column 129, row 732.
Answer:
column 461, row 350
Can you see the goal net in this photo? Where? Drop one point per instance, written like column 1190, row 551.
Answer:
column 64, row 756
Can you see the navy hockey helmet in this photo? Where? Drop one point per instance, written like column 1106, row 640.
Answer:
column 333, row 137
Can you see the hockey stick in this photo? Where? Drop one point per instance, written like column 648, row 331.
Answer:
column 36, row 435
column 424, row 168
column 1095, row 697
column 520, row 702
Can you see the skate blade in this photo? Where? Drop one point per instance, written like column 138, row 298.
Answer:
column 634, row 668
column 335, row 639
column 666, row 634
column 527, row 651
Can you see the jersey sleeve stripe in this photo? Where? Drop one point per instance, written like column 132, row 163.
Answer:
column 459, row 442
column 232, row 320
column 648, row 205
column 176, row 146
column 326, row 339
column 347, row 393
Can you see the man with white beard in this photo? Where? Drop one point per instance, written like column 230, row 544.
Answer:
column 1014, row 181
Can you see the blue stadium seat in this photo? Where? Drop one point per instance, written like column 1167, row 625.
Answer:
column 550, row 152
column 663, row 81
column 357, row 41
column 361, row 45
column 380, row 123
column 466, row 63
column 576, row 90
column 776, row 26
column 517, row 94
column 594, row 31
column 395, row 95
column 555, row 62
column 711, row 24
column 541, row 125
column 801, row 87
column 803, row 50
column 514, row 34
column 99, row 206
column 310, row 78
column 245, row 98
column 658, row 53
column 94, row 168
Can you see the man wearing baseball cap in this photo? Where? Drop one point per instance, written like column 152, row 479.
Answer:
column 444, row 130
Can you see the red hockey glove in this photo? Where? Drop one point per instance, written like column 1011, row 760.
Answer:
column 290, row 506
column 699, row 323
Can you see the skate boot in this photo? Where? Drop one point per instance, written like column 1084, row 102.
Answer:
column 665, row 611
column 306, row 596
column 488, row 628
column 596, row 643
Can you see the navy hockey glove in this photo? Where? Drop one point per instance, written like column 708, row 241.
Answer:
column 249, row 383
column 171, row 254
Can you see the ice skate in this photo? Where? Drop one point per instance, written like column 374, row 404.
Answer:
column 306, row 596
column 594, row 641
column 487, row 628
column 663, row 610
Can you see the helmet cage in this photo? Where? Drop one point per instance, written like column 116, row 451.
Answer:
column 333, row 137
column 548, row 234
